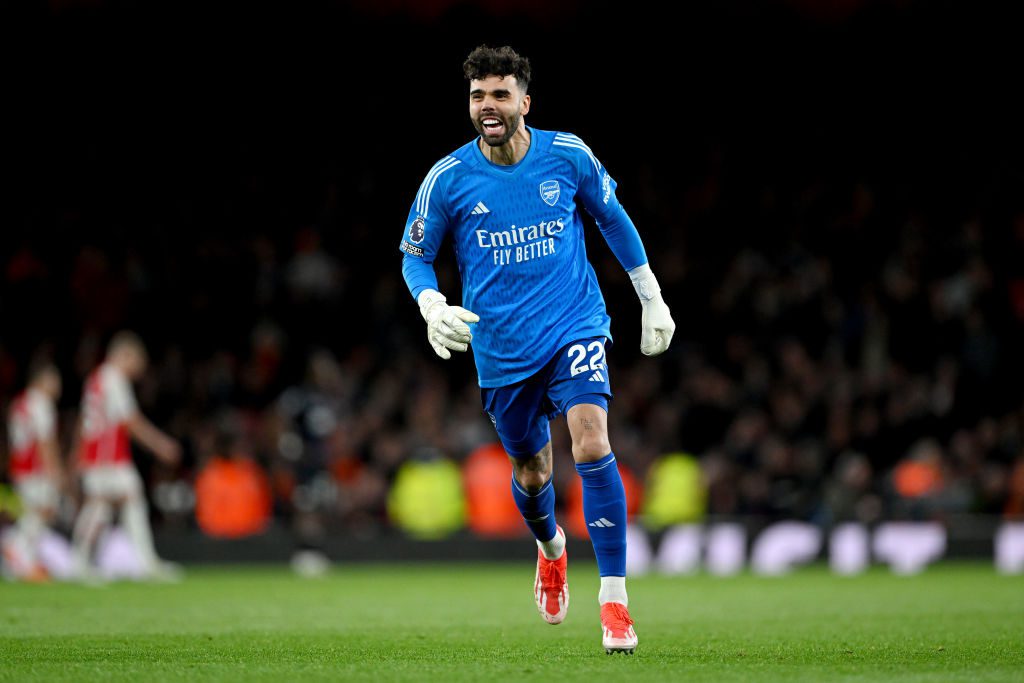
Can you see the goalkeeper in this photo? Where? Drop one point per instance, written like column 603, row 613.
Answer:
column 534, row 313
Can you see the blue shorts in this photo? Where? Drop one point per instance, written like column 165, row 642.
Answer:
column 521, row 412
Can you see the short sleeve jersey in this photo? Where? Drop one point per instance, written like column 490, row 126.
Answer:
column 31, row 421
column 107, row 405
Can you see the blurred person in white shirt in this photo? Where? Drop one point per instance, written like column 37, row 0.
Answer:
column 110, row 418
column 34, row 466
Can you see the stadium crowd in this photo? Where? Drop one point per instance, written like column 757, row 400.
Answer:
column 864, row 367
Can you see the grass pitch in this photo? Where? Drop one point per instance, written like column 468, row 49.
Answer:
column 478, row 622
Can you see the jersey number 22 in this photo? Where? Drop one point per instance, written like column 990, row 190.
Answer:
column 579, row 365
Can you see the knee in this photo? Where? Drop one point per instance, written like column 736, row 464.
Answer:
column 591, row 446
column 101, row 511
column 533, row 481
column 533, row 473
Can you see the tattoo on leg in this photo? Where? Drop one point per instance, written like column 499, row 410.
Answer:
column 587, row 423
column 540, row 463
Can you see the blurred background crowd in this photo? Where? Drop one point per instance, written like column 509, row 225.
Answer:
column 839, row 235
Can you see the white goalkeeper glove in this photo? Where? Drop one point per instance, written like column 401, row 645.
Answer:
column 658, row 326
column 446, row 325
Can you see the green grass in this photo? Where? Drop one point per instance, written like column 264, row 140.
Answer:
column 478, row 622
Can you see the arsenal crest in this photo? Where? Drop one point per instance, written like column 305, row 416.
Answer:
column 549, row 192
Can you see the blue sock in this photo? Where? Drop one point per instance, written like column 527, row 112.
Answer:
column 538, row 510
column 604, row 508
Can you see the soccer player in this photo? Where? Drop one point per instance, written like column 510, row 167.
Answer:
column 35, row 466
column 508, row 199
column 109, row 478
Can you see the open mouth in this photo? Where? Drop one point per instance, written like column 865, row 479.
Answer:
column 492, row 125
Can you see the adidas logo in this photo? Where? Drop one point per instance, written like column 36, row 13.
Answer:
column 479, row 209
column 597, row 377
column 603, row 523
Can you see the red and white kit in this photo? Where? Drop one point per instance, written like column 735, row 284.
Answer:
column 32, row 420
column 106, row 457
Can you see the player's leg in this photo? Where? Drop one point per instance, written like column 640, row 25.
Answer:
column 524, row 431
column 93, row 517
column 38, row 499
column 604, row 498
column 534, row 494
column 580, row 388
column 604, row 508
column 135, row 518
column 535, row 498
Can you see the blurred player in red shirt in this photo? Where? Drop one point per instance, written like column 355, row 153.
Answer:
column 35, row 465
column 110, row 417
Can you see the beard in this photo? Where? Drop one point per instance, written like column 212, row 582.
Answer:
column 511, row 125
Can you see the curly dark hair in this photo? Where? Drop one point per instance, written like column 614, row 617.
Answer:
column 487, row 61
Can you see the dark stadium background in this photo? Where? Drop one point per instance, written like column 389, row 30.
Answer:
column 232, row 183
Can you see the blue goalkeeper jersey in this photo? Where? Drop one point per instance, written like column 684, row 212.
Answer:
column 519, row 244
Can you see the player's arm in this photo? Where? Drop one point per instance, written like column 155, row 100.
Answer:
column 123, row 409
column 153, row 438
column 597, row 191
column 447, row 328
